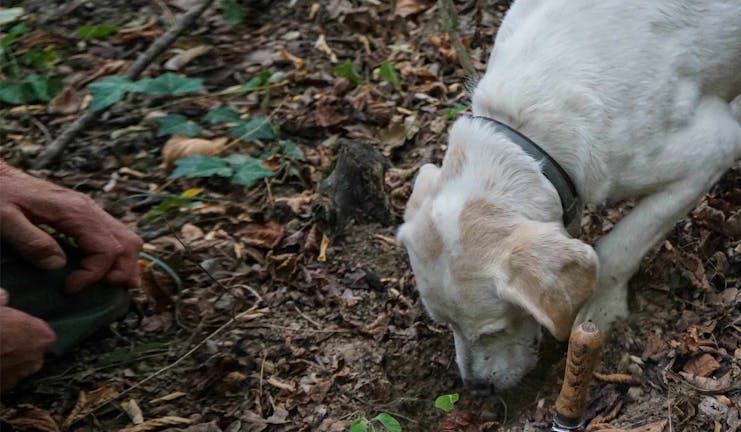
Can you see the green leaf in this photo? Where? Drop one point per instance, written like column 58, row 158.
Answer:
column 96, row 31
column 250, row 171
column 388, row 72
column 201, row 166
column 262, row 79
column 347, row 70
column 222, row 114
column 234, row 13
column 44, row 87
column 359, row 425
column 39, row 58
column 109, row 90
column 12, row 92
column 446, row 402
column 15, row 32
column 256, row 128
column 290, row 149
column 168, row 84
column 452, row 112
column 8, row 15
column 176, row 124
column 389, row 422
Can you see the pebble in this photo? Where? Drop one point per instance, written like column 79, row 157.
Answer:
column 712, row 409
column 635, row 394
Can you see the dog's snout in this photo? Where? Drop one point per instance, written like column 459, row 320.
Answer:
column 479, row 387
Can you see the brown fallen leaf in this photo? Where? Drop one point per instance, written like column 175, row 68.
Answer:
column 179, row 147
column 157, row 423
column 68, row 101
column 28, row 417
column 658, row 426
column 181, row 59
column 692, row 268
column 299, row 204
column 404, row 8
column 266, row 235
column 702, row 365
column 298, row 62
column 133, row 411
column 88, row 402
column 147, row 32
column 707, row 384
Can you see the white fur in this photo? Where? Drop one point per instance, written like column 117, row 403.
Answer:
column 633, row 98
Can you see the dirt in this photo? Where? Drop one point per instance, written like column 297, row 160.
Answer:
column 261, row 335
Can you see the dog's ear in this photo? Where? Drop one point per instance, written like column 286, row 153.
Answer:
column 425, row 184
column 551, row 275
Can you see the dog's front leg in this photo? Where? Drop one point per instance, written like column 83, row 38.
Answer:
column 621, row 251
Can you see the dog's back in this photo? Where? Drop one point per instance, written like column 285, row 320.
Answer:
column 610, row 73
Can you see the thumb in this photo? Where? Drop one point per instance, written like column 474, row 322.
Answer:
column 30, row 241
column 3, row 297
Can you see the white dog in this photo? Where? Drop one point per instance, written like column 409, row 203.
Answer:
column 630, row 98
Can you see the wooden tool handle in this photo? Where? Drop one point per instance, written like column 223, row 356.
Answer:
column 584, row 346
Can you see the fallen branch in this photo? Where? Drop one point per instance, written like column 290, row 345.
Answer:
column 449, row 21
column 184, row 22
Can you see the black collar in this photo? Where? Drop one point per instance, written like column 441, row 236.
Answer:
column 570, row 201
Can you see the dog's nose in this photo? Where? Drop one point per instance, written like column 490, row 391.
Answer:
column 479, row 387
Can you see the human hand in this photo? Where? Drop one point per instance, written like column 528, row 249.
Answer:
column 111, row 249
column 24, row 340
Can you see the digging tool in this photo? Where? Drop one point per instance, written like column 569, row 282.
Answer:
column 584, row 346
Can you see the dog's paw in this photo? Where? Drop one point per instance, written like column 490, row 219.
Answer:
column 604, row 310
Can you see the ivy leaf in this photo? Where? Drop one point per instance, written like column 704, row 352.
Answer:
column 176, row 124
column 168, row 84
column 446, row 402
column 12, row 92
column 389, row 422
column 201, row 166
column 388, row 73
column 222, row 114
column 109, row 90
column 44, row 87
column 250, row 171
column 256, row 128
column 359, row 425
column 15, row 32
column 10, row 14
column 96, row 32
column 290, row 149
column 347, row 70
column 234, row 13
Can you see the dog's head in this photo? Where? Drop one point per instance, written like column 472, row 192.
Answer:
column 491, row 273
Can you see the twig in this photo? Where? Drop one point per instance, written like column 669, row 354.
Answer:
column 43, row 129
column 449, row 21
column 186, row 355
column 184, row 22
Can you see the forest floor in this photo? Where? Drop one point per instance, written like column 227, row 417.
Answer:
column 255, row 333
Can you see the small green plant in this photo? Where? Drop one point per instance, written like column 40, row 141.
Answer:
column 96, row 31
column 347, row 70
column 452, row 112
column 113, row 88
column 388, row 73
column 23, row 86
column 386, row 420
column 446, row 402
column 240, row 169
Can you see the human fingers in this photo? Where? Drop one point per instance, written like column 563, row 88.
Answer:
column 30, row 241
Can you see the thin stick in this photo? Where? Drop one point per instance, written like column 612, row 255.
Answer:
column 184, row 22
column 449, row 21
